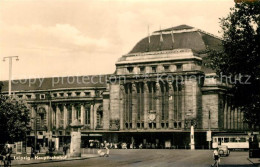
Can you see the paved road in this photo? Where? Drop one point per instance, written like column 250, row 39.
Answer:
column 156, row 158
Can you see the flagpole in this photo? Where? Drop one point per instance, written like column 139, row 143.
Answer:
column 161, row 38
column 149, row 39
column 172, row 38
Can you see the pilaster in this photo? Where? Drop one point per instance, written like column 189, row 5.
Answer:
column 134, row 106
column 82, row 115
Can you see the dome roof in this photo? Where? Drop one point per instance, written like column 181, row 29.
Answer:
column 179, row 37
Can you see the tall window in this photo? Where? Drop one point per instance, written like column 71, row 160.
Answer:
column 70, row 114
column 42, row 117
column 78, row 113
column 150, row 96
column 87, row 115
column 54, row 115
column 178, row 100
column 61, row 116
column 128, row 106
column 100, row 117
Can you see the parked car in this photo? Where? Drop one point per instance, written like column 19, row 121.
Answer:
column 223, row 151
column 124, row 146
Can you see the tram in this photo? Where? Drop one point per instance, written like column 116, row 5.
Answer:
column 232, row 141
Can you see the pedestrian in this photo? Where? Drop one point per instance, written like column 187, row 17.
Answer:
column 65, row 148
column 107, row 152
column 40, row 146
column 6, row 153
column 216, row 157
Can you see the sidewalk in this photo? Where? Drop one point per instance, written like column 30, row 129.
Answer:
column 24, row 159
column 255, row 161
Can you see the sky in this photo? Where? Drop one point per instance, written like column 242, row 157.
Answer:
column 84, row 37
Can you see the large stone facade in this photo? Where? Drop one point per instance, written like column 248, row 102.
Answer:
column 158, row 91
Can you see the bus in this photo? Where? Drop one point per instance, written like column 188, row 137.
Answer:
column 232, row 141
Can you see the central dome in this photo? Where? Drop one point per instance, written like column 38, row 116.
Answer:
column 179, row 37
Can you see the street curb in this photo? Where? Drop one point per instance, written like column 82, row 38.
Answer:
column 51, row 161
column 252, row 162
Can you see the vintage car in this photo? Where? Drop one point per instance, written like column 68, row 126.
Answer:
column 223, row 150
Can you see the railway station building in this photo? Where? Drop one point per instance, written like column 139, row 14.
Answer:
column 159, row 89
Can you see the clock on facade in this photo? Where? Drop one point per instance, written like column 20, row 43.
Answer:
column 151, row 116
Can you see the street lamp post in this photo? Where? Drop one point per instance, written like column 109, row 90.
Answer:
column 192, row 142
column 10, row 58
column 209, row 131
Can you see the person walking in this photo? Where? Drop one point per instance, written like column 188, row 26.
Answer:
column 107, row 152
column 65, row 148
column 216, row 158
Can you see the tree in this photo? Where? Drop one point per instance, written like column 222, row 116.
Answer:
column 14, row 119
column 240, row 58
column 1, row 85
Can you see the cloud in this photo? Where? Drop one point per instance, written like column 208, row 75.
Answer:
column 87, row 37
column 59, row 36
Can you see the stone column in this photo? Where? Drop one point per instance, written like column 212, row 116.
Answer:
column 121, row 106
column 158, row 108
column 232, row 118
column 171, row 105
column 91, row 116
column 235, row 118
column 75, row 150
column 242, row 123
column 66, row 120
column 146, row 105
column 50, row 118
column 134, row 106
column 57, row 116
column 82, row 115
column 73, row 112
column 239, row 113
column 54, row 116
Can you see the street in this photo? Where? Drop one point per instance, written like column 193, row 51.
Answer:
column 154, row 158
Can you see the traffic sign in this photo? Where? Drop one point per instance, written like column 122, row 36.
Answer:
column 209, row 135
